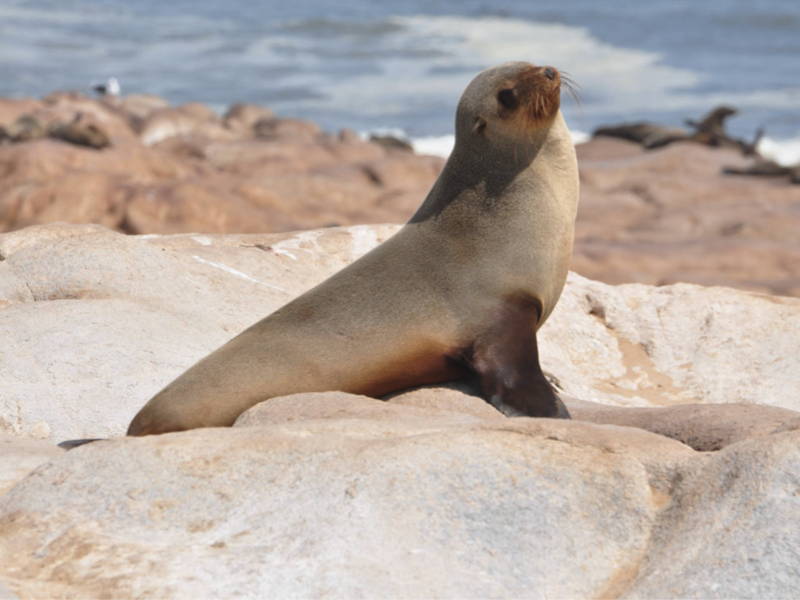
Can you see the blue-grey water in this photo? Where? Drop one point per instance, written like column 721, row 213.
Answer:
column 368, row 64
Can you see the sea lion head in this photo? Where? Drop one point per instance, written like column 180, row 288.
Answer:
column 508, row 104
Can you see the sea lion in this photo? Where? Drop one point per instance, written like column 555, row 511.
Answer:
column 81, row 132
column 649, row 135
column 461, row 289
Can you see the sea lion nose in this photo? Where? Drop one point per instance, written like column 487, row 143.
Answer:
column 550, row 73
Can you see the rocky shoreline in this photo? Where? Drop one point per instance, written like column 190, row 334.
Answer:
column 179, row 169
column 138, row 165
column 679, row 475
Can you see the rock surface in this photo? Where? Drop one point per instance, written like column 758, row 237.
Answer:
column 671, row 215
column 179, row 169
column 729, row 531
column 704, row 427
column 430, row 493
column 447, row 506
column 442, row 510
column 654, row 217
column 19, row 456
column 97, row 322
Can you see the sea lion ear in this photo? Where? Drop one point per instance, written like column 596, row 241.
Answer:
column 479, row 125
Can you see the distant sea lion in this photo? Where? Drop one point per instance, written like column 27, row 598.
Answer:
column 81, row 133
column 649, row 135
column 25, row 129
column 461, row 289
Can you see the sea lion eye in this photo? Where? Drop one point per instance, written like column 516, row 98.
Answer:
column 550, row 73
column 508, row 98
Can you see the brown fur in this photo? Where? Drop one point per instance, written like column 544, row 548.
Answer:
column 461, row 289
column 544, row 95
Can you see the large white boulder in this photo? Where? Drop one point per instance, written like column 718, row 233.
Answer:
column 342, row 508
column 430, row 493
column 96, row 322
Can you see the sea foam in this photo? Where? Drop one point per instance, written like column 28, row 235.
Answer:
column 442, row 145
column 785, row 152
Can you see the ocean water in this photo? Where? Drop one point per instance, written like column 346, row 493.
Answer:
column 401, row 66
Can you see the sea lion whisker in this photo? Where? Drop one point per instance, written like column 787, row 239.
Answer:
column 572, row 88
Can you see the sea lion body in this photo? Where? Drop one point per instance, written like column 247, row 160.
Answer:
column 460, row 289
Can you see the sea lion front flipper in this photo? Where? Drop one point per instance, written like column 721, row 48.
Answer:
column 506, row 358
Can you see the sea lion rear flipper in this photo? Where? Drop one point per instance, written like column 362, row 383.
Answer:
column 506, row 358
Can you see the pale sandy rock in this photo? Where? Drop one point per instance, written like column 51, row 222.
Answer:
column 16, row 241
column 639, row 345
column 452, row 398
column 20, row 456
column 731, row 529
column 661, row 458
column 340, row 405
column 12, row 288
column 141, row 309
column 102, row 264
column 98, row 321
column 705, row 427
column 7, row 594
column 83, row 368
column 343, row 508
column 430, row 493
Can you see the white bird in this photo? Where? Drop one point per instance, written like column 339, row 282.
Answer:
column 110, row 88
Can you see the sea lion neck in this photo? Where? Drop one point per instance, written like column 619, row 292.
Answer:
column 474, row 167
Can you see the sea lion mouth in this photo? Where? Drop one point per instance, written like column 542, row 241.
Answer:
column 535, row 94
